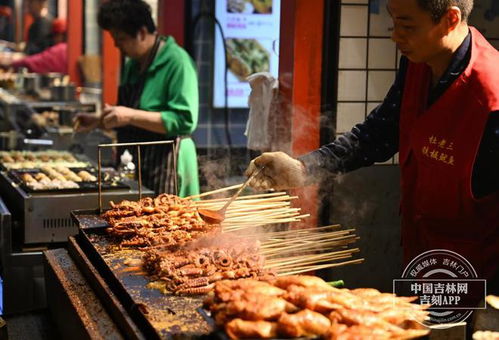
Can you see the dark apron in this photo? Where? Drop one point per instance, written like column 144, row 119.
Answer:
column 158, row 162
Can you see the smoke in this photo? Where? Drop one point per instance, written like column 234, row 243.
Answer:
column 214, row 173
column 225, row 241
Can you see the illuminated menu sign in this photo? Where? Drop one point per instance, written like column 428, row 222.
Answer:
column 251, row 29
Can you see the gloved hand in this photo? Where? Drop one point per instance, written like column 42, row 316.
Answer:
column 281, row 172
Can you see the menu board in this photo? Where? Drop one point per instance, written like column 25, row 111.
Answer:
column 251, row 29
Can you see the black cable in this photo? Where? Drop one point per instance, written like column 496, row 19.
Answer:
column 205, row 13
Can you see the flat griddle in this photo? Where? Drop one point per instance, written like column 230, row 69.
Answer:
column 157, row 315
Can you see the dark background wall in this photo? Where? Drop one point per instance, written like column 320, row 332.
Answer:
column 368, row 199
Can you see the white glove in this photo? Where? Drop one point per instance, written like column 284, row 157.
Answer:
column 281, row 172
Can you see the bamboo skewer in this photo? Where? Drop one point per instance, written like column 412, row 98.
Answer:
column 308, row 242
column 318, row 267
column 237, row 186
column 236, row 227
column 309, row 260
column 300, row 262
column 311, row 236
column 298, row 244
column 244, row 198
column 298, row 265
column 278, row 213
column 260, row 211
column 275, row 234
column 271, row 213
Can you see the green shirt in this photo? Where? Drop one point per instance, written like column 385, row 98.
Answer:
column 171, row 87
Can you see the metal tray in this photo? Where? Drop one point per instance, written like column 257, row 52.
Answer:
column 93, row 186
column 157, row 315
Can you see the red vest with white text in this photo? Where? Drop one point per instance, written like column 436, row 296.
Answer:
column 438, row 148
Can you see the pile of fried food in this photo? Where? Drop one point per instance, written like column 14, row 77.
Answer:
column 37, row 159
column 59, row 177
column 307, row 306
column 167, row 220
column 194, row 270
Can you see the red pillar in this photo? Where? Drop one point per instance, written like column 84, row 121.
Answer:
column 300, row 68
column 171, row 19
column 75, row 39
column 111, row 60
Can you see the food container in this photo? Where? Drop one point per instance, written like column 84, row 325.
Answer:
column 63, row 93
column 66, row 116
column 31, row 83
column 48, row 80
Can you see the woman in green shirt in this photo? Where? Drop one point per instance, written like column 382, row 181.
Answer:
column 157, row 98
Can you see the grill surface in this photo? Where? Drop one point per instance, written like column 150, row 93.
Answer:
column 159, row 315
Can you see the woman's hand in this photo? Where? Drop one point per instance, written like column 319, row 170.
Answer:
column 116, row 116
column 84, row 122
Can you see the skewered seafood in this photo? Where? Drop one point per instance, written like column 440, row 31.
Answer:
column 193, row 271
column 244, row 306
column 166, row 220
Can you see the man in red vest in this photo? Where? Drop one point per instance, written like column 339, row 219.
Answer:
column 442, row 116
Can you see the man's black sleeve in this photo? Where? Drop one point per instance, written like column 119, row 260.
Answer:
column 485, row 179
column 374, row 140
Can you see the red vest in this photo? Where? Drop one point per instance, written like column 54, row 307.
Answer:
column 438, row 147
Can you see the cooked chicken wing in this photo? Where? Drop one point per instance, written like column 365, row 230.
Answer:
column 303, row 323
column 240, row 329
column 314, row 299
column 300, row 280
column 259, row 307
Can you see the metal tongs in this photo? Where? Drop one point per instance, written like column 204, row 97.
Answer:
column 218, row 216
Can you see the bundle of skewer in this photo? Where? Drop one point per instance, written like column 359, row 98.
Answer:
column 252, row 219
column 303, row 250
column 287, row 252
column 252, row 210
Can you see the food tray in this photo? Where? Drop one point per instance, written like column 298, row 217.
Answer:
column 55, row 158
column 16, row 176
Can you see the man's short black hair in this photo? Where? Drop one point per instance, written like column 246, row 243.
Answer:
column 127, row 16
column 438, row 8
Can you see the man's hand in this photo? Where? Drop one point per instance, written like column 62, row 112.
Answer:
column 116, row 116
column 84, row 122
column 281, row 172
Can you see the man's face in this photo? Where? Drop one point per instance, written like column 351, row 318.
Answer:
column 127, row 44
column 416, row 35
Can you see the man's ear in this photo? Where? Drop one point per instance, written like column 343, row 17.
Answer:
column 452, row 18
column 142, row 34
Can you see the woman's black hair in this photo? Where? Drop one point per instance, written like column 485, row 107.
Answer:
column 127, row 16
